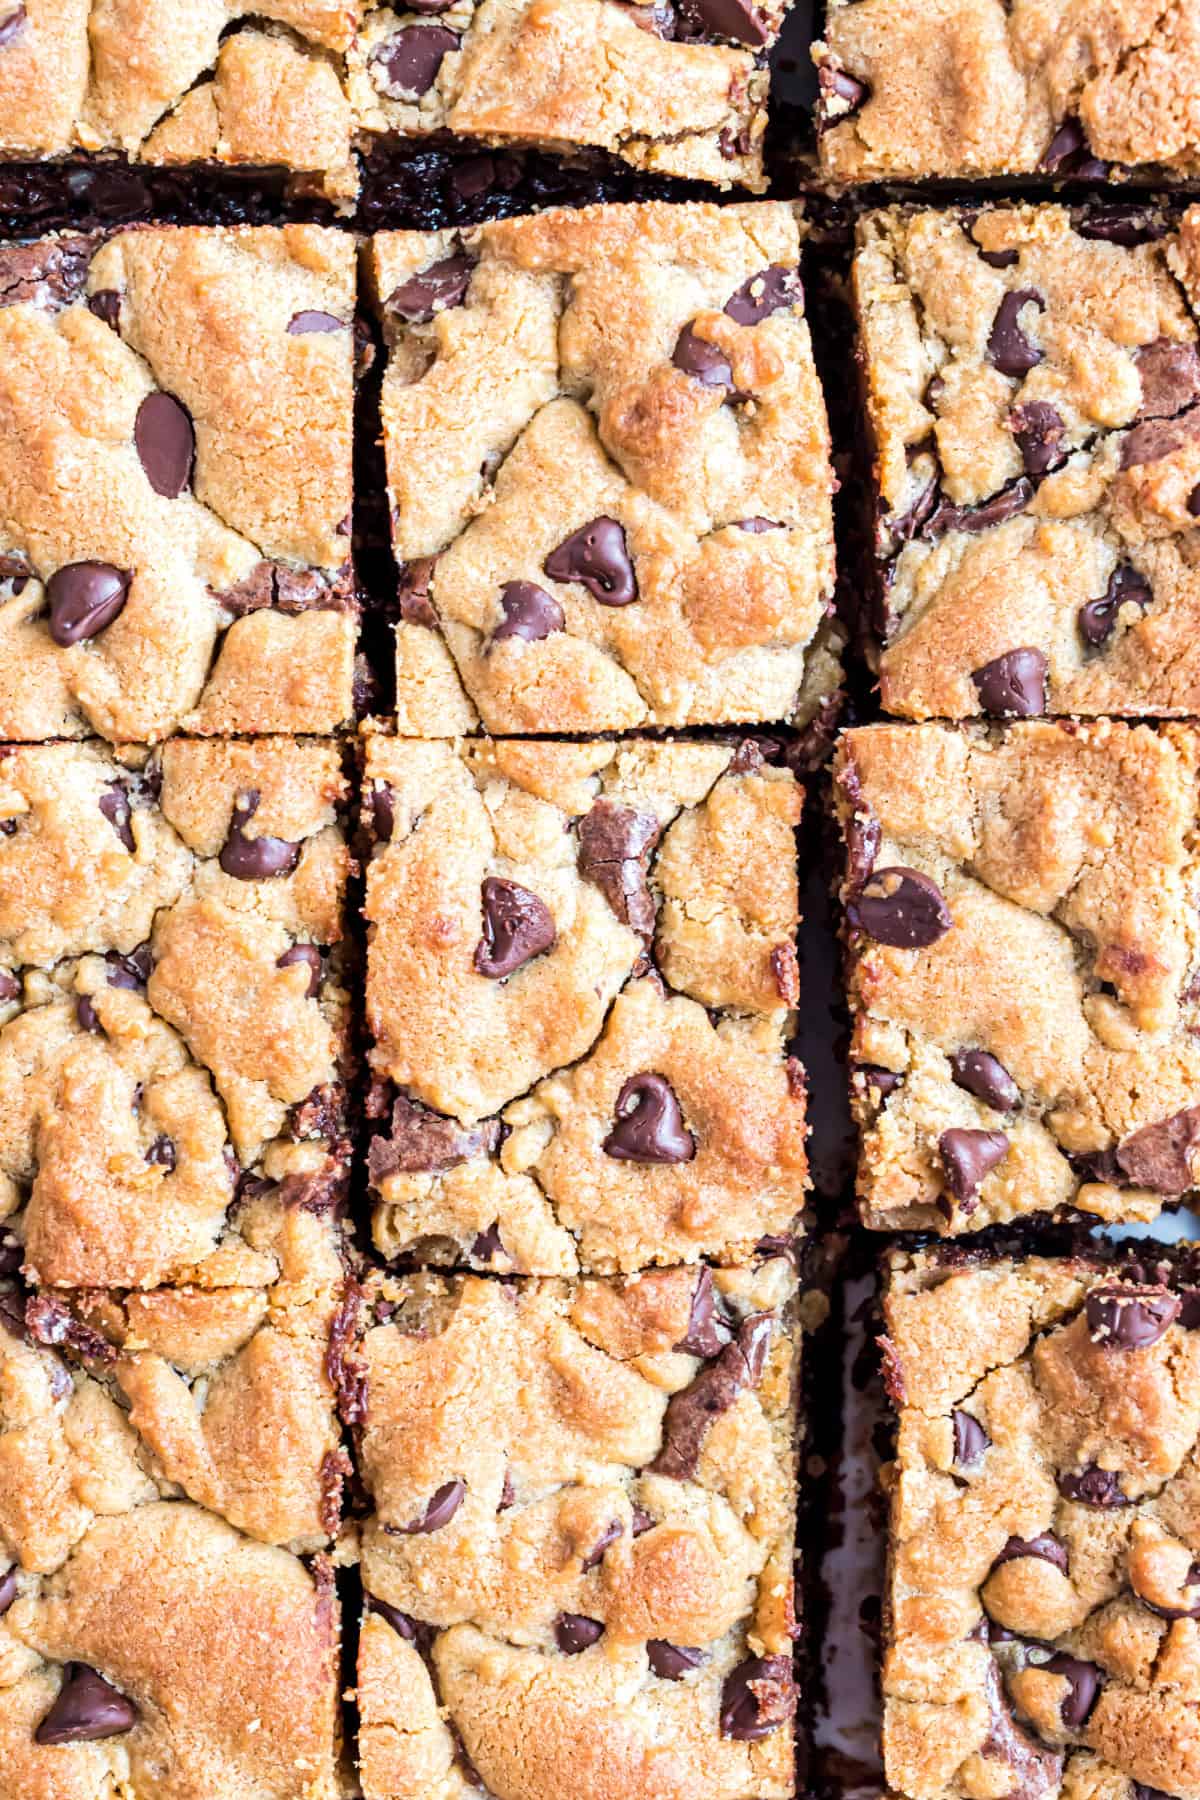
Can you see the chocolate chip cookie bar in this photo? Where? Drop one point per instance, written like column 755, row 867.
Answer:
column 167, row 82
column 176, row 410
column 1040, row 1626
column 970, row 88
column 579, row 1566
column 149, row 1644
column 173, row 1020
column 581, row 983
column 675, row 88
column 1032, row 377
column 608, row 460
column 1023, row 939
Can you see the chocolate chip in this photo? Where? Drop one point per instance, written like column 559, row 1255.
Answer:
column 517, row 926
column 1122, row 225
column 704, row 361
column 1069, row 153
column 406, row 64
column 258, row 858
column 1129, row 1318
column 86, row 1014
column 671, row 1662
column 302, row 324
column 310, row 956
column 8, row 1589
column 971, row 1441
column 1001, row 507
column 438, row 1511
column 1038, row 428
column 383, row 812
column 1046, row 1548
column 758, row 524
column 508, row 1492
column 105, row 304
column 1012, row 686
column 1170, row 375
column 691, row 1412
column 649, row 1125
column 765, row 293
column 1000, row 259
column 1036, row 1772
column 642, row 1522
column 1092, row 1486
column 987, row 1078
column 968, row 1156
column 708, row 1331
column 442, row 285
column 162, row 1153
column 399, row 1621
column 900, row 907
column 166, row 443
column 757, row 1698
column 866, row 1076
column 85, row 1709
column 1008, row 348
column 530, row 613
column 596, row 556
column 841, row 95
column 114, row 804
column 595, row 1556
column 1193, row 502
column 1083, row 1680
column 614, row 853
column 85, row 597
column 487, row 1244
column 735, row 19
column 1159, row 1156
column 1127, row 586
column 1156, row 439
column 10, row 987
column 423, row 1142
column 573, row 1632
column 131, row 971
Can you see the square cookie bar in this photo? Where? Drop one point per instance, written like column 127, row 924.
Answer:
column 1040, row 1624
column 969, row 88
column 581, row 982
column 166, row 81
column 1023, row 955
column 608, row 459
column 176, row 411
column 147, row 1645
column 1031, row 378
column 173, row 1024
column 579, row 1566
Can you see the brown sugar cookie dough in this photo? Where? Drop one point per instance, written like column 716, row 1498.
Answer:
column 176, row 410
column 608, row 459
column 173, row 1019
column 1043, row 1592
column 1032, row 378
column 581, row 983
column 1023, row 946
column 1079, row 90
column 579, row 1565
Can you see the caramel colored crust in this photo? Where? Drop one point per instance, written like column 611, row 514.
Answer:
column 1032, row 390
column 531, row 1613
column 238, row 612
column 498, row 1092
column 1041, row 1620
column 962, row 88
column 171, row 1028
column 543, row 399
column 1053, row 869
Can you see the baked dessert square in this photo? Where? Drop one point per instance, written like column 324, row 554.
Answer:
column 148, row 1645
column 1040, row 1624
column 176, row 412
column 1031, row 378
column 608, row 462
column 581, row 983
column 1022, row 953
column 166, row 82
column 173, row 1019
column 968, row 88
column 679, row 88
column 579, row 1566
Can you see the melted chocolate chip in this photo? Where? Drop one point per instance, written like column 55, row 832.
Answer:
column 424, row 1142
column 1092, row 1486
column 114, row 804
column 438, row 1511
column 642, row 1522
column 1036, row 1770
column 987, row 1078
column 613, row 1531
column 131, row 971
column 105, row 304
column 487, row 1244
column 841, row 95
column 399, row 1621
column 1001, row 259
column 649, row 1125
column 12, row 27
column 1008, row 348
column 517, row 926
column 765, row 293
column 1012, row 686
column 670, row 1662
column 869, row 1075
column 406, row 64
column 690, row 1413
column 443, row 284
column 968, row 1157
column 1084, row 1682
column 614, row 853
column 89, row 1019
column 971, row 1441
column 1170, row 376
column 162, row 1153
column 597, row 557
column 758, row 524
column 304, row 324
column 8, row 1589
column 255, row 858
column 1129, row 1318
column 383, row 812
column 1001, row 507
column 84, row 598
column 900, row 907
column 703, row 360
column 310, row 956
column 1046, row 1548
column 1038, row 428
column 708, row 1331
column 757, row 1698
column 166, row 444
column 85, row 1709
column 1159, row 1156
column 530, row 613
column 1127, row 586
column 1155, row 439
column 573, row 1633
column 1069, row 153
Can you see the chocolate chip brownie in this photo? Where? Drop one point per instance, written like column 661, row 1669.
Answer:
column 579, row 1566
column 173, row 1020
column 176, row 412
column 676, row 87
column 168, row 81
column 1044, row 1591
column 608, row 460
column 1023, row 938
column 1032, row 381
column 968, row 88
column 581, row 983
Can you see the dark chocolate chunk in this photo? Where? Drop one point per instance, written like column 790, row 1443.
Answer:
column 1084, row 1682
column 971, row 1441
column 708, row 1330
column 900, row 907
column 1012, row 686
column 304, row 324
column 1170, row 374
column 765, row 293
column 114, row 804
column 517, row 926
column 986, row 1077
column 530, row 613
column 670, row 1662
column 757, row 1698
column 1046, row 1548
column 406, row 64
column 597, row 557
column 1038, row 428
column 85, row 597
column 1155, row 439
column 573, row 1633
column 969, row 1156
column 438, row 1511
column 1008, row 348
column 166, row 443
column 162, row 1153
column 1159, row 1156
column 649, row 1125
column 1092, row 1486
column 424, row 1142
column 12, row 26
column 690, row 1413
column 703, row 360
column 841, row 95
column 1130, row 1318
column 310, row 956
column 441, row 285
column 1097, row 618
column 85, row 1709
column 255, row 858
column 131, row 971
column 614, row 852
column 610, row 1535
